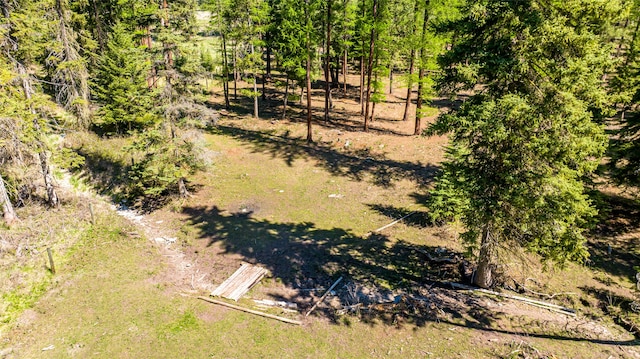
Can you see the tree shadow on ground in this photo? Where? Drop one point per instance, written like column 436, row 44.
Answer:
column 112, row 178
column 304, row 256
column 618, row 216
column 300, row 256
column 355, row 165
column 623, row 310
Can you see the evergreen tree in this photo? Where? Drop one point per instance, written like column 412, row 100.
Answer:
column 624, row 149
column 26, row 37
column 522, row 143
column 69, row 72
column 120, row 85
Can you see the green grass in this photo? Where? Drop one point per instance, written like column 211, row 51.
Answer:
column 114, row 295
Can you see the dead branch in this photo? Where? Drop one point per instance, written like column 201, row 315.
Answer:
column 536, row 303
column 323, row 296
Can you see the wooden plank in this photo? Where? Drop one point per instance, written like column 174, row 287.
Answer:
column 237, row 286
column 240, row 282
column 251, row 311
column 248, row 282
column 229, row 281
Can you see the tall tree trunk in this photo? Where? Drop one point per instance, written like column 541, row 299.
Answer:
column 344, row 60
column 483, row 277
column 8, row 212
column 286, row 98
column 264, row 89
column 52, row 196
column 327, row 62
column 372, row 42
column 152, row 80
column 255, row 89
column 361, row 99
column 308, row 70
column 418, row 124
column 98, row 20
column 405, row 116
column 412, row 56
column 344, row 71
column 390, row 79
column 362, row 69
column 225, row 72
column 225, row 62
column 235, row 71
column 164, row 21
column 268, row 43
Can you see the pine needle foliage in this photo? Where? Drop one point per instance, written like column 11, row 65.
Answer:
column 522, row 143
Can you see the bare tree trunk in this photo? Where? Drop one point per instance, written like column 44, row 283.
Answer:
column 225, row 72
column 391, row 77
column 407, row 103
column 268, row 55
column 255, row 89
column 286, row 98
column 327, row 59
column 364, row 13
column 370, row 66
column 235, row 72
column 225, row 63
column 8, row 212
column 419, row 101
column 483, row 277
column 344, row 71
column 344, row 60
column 100, row 34
column 361, row 99
column 52, row 196
column 182, row 188
column 308, row 70
column 48, row 180
column 412, row 58
column 152, row 80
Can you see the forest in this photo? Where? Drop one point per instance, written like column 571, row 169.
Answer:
column 528, row 110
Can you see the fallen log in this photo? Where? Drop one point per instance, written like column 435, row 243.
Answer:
column 537, row 303
column 323, row 296
column 251, row 311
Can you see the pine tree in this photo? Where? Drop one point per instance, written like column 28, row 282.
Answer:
column 120, row 85
column 247, row 21
column 69, row 72
column 522, row 143
column 28, row 35
column 624, row 149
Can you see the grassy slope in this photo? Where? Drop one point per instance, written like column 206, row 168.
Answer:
column 110, row 299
